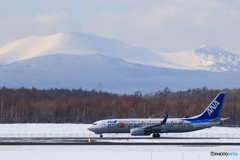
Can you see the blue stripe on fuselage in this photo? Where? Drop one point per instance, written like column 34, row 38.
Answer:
column 197, row 121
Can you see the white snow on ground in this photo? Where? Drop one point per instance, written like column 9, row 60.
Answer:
column 112, row 152
column 80, row 130
column 170, row 140
column 116, row 152
column 47, row 130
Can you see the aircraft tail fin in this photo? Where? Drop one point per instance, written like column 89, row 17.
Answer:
column 213, row 111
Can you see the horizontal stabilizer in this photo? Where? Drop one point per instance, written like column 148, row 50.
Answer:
column 224, row 119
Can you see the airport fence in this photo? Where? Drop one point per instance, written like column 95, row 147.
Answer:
column 119, row 135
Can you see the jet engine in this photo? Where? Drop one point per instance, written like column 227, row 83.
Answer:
column 137, row 132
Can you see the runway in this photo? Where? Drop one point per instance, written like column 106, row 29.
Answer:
column 107, row 141
column 123, row 144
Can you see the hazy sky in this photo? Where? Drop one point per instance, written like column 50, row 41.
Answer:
column 159, row 25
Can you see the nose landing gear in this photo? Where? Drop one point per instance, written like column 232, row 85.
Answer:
column 156, row 135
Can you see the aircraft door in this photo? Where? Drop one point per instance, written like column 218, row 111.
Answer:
column 103, row 124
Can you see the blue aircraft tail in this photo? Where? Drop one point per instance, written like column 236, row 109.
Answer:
column 213, row 111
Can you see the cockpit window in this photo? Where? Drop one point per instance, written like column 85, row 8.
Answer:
column 94, row 123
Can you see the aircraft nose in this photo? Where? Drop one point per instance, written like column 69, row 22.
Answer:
column 89, row 128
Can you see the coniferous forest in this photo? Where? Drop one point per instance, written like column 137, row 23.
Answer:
column 25, row 105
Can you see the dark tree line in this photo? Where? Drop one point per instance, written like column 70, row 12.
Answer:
column 24, row 105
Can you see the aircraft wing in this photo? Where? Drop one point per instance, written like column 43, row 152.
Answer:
column 157, row 125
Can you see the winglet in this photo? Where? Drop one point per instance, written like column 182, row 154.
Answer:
column 186, row 116
column 165, row 120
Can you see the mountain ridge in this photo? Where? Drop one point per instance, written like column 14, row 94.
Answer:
column 75, row 43
column 86, row 71
column 206, row 57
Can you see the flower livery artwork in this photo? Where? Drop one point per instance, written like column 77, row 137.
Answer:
column 120, row 125
column 127, row 124
column 177, row 124
column 142, row 123
column 171, row 124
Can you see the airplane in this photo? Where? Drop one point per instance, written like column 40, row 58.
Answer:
column 145, row 127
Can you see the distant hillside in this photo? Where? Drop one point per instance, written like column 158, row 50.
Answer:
column 75, row 44
column 207, row 57
column 114, row 75
column 76, row 60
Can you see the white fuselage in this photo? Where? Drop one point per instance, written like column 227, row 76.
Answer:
column 125, row 125
column 137, row 127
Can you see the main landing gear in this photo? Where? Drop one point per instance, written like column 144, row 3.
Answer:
column 156, row 135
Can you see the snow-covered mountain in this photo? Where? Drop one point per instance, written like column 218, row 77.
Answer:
column 77, row 43
column 115, row 75
column 82, row 60
column 207, row 57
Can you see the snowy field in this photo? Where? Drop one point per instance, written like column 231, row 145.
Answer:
column 80, row 130
column 114, row 152
column 117, row 152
